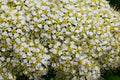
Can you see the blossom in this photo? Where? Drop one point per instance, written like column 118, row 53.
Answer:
column 78, row 38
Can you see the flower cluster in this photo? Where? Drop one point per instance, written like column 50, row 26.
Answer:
column 78, row 38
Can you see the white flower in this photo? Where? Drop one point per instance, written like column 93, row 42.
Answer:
column 37, row 41
column 82, row 78
column 31, row 27
column 64, row 33
column 8, row 60
column 64, row 47
column 54, row 51
column 33, row 59
column 46, row 57
column 25, row 45
column 4, row 7
column 25, row 61
column 66, row 1
column 19, row 31
column 3, row 49
column 46, row 27
column 16, row 35
column 74, row 1
column 23, row 55
column 29, row 54
column 40, row 25
column 2, row 58
column 54, row 36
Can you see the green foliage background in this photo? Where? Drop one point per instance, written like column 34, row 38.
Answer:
column 115, row 4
